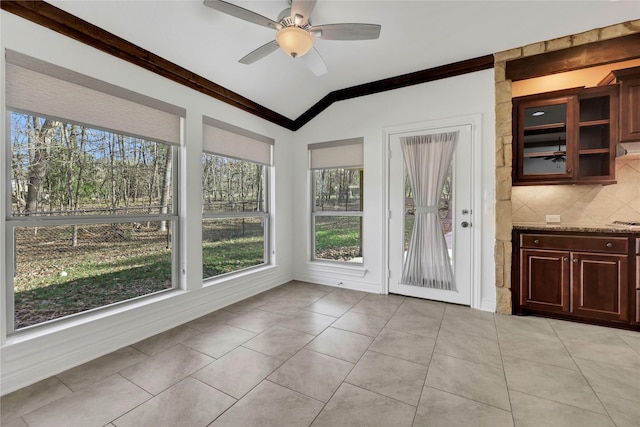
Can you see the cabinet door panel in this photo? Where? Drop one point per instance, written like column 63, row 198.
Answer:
column 630, row 109
column 545, row 280
column 600, row 285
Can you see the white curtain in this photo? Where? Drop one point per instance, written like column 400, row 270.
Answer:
column 427, row 158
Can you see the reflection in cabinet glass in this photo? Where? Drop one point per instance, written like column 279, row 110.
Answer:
column 545, row 140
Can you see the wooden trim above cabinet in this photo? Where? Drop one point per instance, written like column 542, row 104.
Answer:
column 574, row 58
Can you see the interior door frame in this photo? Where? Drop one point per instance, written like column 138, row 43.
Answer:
column 475, row 121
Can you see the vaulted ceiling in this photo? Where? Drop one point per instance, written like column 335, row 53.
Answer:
column 416, row 35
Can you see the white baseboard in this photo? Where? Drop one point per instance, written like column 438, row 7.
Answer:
column 488, row 305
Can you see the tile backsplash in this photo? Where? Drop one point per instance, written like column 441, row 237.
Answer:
column 582, row 204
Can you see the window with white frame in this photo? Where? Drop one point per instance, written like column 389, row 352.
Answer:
column 235, row 198
column 337, row 205
column 93, row 188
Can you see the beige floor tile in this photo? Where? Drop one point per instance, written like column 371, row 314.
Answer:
column 157, row 343
column 17, row 422
column 475, row 349
column 531, row 411
column 468, row 379
column 312, row 374
column 632, row 338
column 381, row 307
column 567, row 330
column 271, row 405
column 219, row 340
column 474, row 327
column 331, row 306
column 204, row 323
column 237, row 372
column 550, row 382
column 536, row 347
column 610, row 349
column 440, row 409
column 353, row 406
column 308, row 322
column 95, row 405
column 92, row 372
column 414, row 348
column 412, row 323
column 246, row 305
column 462, row 310
column 188, row 403
column 347, row 295
column 27, row 399
column 523, row 325
column 256, row 321
column 166, row 368
column 614, row 380
column 389, row 376
column 285, row 306
column 421, row 307
column 625, row 413
column 279, row 342
column 360, row 323
column 344, row 345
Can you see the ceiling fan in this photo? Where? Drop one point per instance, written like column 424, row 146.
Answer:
column 295, row 34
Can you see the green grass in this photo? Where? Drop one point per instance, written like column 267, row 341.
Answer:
column 337, row 238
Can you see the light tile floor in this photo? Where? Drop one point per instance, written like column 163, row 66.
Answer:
column 310, row 355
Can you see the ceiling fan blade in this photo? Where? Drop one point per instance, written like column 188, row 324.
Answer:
column 260, row 52
column 347, row 31
column 315, row 62
column 302, row 8
column 242, row 13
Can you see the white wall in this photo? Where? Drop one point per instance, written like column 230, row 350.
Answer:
column 30, row 356
column 367, row 117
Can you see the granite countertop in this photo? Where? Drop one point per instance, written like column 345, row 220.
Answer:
column 604, row 228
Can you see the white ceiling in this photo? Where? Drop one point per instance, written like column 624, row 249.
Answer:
column 416, row 35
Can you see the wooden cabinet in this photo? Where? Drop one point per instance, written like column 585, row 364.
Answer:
column 589, row 277
column 629, row 81
column 565, row 137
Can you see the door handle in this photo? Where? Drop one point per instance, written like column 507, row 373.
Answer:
column 465, row 224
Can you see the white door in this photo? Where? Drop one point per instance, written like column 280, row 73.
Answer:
column 455, row 211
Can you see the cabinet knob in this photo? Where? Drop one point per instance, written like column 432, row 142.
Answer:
column 609, row 245
column 536, row 241
column 575, row 260
column 565, row 259
column 569, row 170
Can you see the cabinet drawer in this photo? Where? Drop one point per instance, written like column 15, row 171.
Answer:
column 575, row 243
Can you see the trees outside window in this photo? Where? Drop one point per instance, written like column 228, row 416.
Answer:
column 235, row 215
column 92, row 218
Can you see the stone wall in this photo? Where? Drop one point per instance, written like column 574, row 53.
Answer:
column 504, row 138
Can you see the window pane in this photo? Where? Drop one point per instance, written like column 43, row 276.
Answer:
column 62, row 270
column 230, row 185
column 338, row 190
column 60, row 169
column 232, row 244
column 338, row 238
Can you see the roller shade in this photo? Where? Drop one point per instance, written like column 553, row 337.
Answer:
column 231, row 141
column 346, row 153
column 41, row 88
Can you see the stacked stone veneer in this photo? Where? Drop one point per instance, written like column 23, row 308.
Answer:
column 504, row 139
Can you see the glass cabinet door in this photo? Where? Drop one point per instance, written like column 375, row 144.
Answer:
column 545, row 134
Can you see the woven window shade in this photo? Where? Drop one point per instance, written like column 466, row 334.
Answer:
column 227, row 140
column 40, row 88
column 346, row 154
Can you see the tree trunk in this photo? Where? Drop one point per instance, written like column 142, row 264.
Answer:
column 40, row 140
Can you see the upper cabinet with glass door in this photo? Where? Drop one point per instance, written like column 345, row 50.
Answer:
column 564, row 137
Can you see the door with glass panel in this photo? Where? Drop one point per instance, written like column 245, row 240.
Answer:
column 430, row 247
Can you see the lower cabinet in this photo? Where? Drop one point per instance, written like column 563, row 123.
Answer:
column 586, row 277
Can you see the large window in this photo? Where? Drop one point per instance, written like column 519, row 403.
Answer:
column 92, row 213
column 337, row 200
column 235, row 217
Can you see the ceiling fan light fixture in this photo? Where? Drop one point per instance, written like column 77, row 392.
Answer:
column 294, row 41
